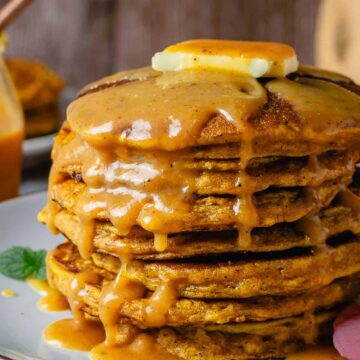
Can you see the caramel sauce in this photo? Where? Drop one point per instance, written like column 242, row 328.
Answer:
column 53, row 302
column 317, row 353
column 42, row 287
column 74, row 335
column 10, row 164
column 336, row 108
column 76, row 292
column 160, row 242
column 167, row 111
column 159, row 304
column 52, row 299
column 77, row 333
column 112, row 297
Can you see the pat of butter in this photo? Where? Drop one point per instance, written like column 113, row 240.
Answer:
column 255, row 59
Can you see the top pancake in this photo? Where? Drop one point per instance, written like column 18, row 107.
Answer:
column 174, row 110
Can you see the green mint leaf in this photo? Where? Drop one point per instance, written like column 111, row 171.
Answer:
column 20, row 262
column 40, row 265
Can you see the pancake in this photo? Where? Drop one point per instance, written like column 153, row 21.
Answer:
column 217, row 213
column 65, row 263
column 216, row 168
column 140, row 243
column 241, row 279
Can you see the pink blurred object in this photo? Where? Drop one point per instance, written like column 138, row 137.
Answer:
column 346, row 336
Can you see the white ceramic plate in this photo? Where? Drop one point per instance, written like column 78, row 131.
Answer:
column 37, row 149
column 21, row 322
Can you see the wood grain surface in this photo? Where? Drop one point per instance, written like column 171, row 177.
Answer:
column 86, row 39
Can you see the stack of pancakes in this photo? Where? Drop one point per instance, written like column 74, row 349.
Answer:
column 216, row 213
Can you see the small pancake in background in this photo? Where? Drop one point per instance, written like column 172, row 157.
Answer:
column 38, row 88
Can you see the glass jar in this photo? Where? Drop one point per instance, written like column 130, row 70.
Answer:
column 11, row 132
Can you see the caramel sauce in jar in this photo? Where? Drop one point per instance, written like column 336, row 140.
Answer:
column 10, row 163
column 11, row 134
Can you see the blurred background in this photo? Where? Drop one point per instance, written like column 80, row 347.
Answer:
column 83, row 40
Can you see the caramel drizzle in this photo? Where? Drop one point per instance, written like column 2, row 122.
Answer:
column 244, row 207
column 311, row 224
column 113, row 296
column 122, row 290
column 160, row 242
column 159, row 304
column 156, row 193
column 76, row 293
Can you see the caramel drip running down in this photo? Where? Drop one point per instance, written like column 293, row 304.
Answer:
column 311, row 224
column 315, row 167
column 151, row 190
column 244, row 207
column 160, row 242
column 122, row 341
column 52, row 299
column 128, row 148
column 113, row 295
column 69, row 333
column 159, row 304
column 317, row 353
